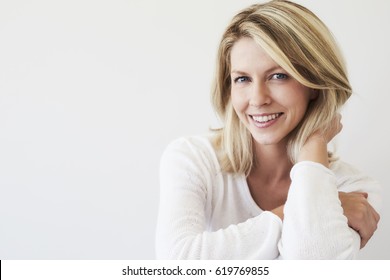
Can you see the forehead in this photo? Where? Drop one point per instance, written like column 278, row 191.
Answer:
column 247, row 55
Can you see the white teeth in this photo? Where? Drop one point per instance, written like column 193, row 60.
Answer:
column 268, row 118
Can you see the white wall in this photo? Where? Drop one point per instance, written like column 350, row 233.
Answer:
column 92, row 91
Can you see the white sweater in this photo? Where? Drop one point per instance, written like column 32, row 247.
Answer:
column 205, row 213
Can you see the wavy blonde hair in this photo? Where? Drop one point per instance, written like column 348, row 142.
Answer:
column 297, row 40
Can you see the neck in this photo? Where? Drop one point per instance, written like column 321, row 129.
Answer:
column 272, row 162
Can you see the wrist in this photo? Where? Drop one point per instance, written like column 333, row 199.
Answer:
column 315, row 149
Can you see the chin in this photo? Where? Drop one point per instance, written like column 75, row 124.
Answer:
column 266, row 140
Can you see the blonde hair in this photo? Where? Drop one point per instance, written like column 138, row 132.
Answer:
column 300, row 43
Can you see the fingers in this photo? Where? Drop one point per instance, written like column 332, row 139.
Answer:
column 368, row 224
column 329, row 130
column 335, row 127
column 377, row 216
column 367, row 232
column 364, row 194
column 350, row 194
column 337, row 123
column 361, row 216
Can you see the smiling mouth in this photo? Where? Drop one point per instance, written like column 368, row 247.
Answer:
column 266, row 118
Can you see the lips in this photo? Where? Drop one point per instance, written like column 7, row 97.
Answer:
column 266, row 118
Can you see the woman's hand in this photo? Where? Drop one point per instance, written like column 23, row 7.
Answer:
column 361, row 216
column 279, row 212
column 334, row 128
column 315, row 148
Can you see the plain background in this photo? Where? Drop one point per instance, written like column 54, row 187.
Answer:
column 92, row 91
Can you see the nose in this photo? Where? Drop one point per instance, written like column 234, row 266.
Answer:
column 260, row 95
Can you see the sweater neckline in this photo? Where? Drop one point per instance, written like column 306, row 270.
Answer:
column 254, row 209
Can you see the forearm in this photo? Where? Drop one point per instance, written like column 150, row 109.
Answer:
column 256, row 238
column 314, row 226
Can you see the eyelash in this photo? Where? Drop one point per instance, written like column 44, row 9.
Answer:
column 284, row 76
column 276, row 76
column 237, row 80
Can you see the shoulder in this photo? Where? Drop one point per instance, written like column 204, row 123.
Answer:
column 346, row 173
column 192, row 150
column 342, row 168
column 191, row 144
column 189, row 164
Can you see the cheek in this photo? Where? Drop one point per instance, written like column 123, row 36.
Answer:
column 238, row 102
column 300, row 109
column 300, row 99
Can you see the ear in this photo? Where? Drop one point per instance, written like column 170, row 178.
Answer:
column 314, row 94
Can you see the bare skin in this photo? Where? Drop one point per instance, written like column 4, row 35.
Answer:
column 362, row 217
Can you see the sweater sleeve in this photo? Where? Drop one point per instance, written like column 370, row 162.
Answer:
column 314, row 226
column 182, row 223
column 350, row 179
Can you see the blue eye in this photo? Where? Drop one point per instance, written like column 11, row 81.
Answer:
column 279, row 76
column 241, row 79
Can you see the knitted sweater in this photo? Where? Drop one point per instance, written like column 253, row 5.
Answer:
column 205, row 213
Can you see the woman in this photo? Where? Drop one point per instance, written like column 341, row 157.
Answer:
column 264, row 186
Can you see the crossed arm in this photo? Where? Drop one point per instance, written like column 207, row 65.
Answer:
column 361, row 216
column 313, row 227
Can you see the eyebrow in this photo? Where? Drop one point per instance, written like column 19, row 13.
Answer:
column 239, row 72
column 272, row 69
